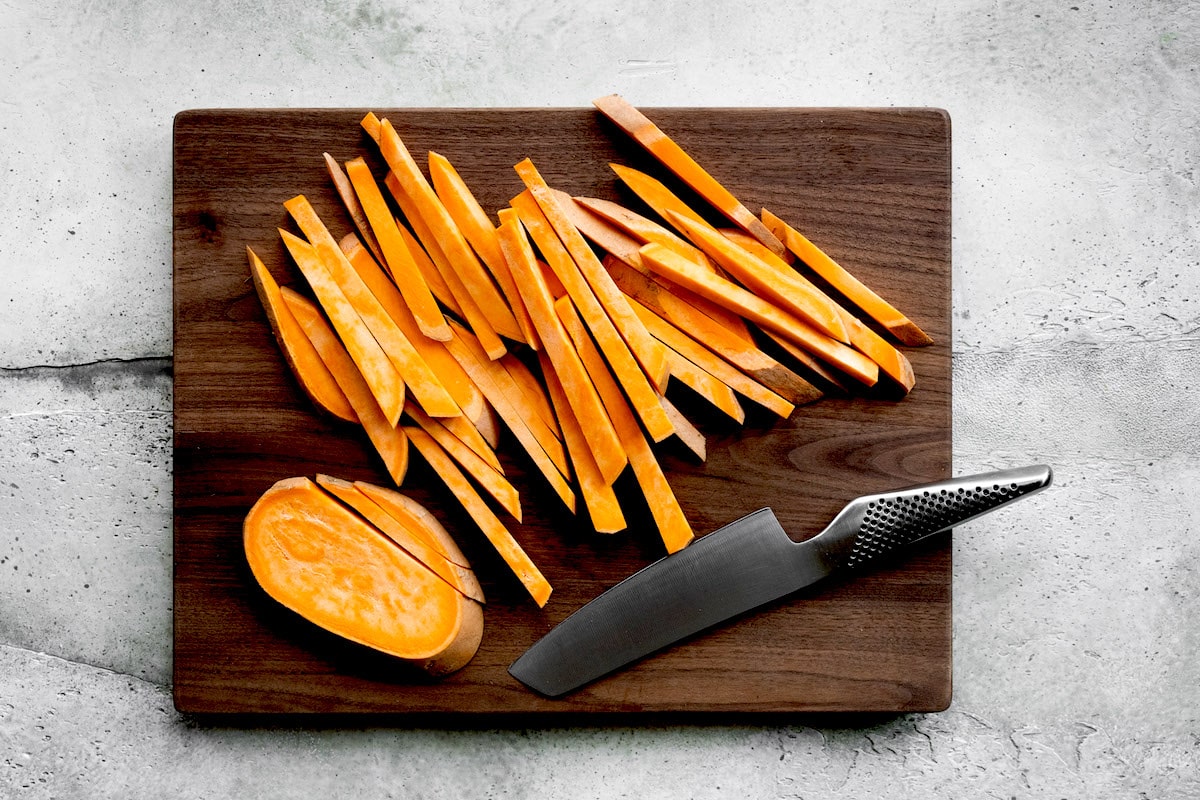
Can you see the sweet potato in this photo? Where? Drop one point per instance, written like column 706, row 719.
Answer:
column 491, row 526
column 310, row 371
column 760, row 311
column 840, row 279
column 416, row 545
column 316, row 557
column 389, row 441
column 667, row 151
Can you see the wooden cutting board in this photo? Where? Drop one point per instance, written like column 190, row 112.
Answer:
column 871, row 186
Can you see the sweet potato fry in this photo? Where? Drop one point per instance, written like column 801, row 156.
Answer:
column 712, row 363
column 643, row 347
column 400, row 264
column 309, row 370
column 667, row 151
column 473, row 221
column 643, row 390
column 673, row 527
column 741, row 351
column 853, row 289
column 449, row 238
column 491, row 526
column 762, row 312
column 385, row 382
column 582, row 394
column 388, row 440
column 598, row 494
column 487, row 476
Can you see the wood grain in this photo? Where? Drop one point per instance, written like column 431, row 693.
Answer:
column 871, row 186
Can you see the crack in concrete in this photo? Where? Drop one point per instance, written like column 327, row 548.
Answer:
column 5, row 646
column 155, row 361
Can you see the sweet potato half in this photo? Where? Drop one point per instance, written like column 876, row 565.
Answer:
column 323, row 561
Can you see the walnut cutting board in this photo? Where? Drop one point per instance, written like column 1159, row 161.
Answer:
column 872, row 186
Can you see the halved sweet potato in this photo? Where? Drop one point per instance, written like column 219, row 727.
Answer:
column 322, row 561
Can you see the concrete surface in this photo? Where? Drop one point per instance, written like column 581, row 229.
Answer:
column 1076, row 255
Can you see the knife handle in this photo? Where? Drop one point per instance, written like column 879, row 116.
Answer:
column 874, row 525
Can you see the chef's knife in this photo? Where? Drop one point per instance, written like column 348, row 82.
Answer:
column 746, row 564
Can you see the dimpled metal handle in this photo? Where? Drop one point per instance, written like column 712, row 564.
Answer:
column 874, row 525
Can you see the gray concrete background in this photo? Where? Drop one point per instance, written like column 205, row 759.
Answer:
column 1076, row 247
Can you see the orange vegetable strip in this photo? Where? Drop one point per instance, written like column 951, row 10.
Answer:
column 429, row 271
column 388, row 440
column 400, row 263
column 713, row 364
column 598, row 495
column 423, row 383
column 345, row 190
column 448, row 371
column 894, row 363
column 688, row 434
column 715, row 391
column 413, row 348
column 387, row 386
column 449, row 238
column 851, row 287
column 415, row 517
column 779, row 286
column 410, row 541
column 310, row 371
column 801, row 356
column 508, row 389
column 743, row 354
column 666, row 150
column 479, row 232
column 399, row 348
column 636, row 383
column 470, row 310
column 644, row 230
column 760, row 311
column 582, row 394
column 491, row 526
column 544, row 450
column 484, row 474
column 643, row 347
column 656, row 194
column 532, row 389
column 673, row 526
column 624, row 248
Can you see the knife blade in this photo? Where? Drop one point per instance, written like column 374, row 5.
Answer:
column 746, row 564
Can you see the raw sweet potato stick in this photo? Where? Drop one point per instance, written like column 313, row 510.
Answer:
column 401, row 266
column 388, row 440
column 673, row 527
column 449, row 238
column 500, row 537
column 311, row 373
column 643, row 347
column 839, row 278
column 637, row 384
column 667, row 151
column 584, row 401
column 386, row 384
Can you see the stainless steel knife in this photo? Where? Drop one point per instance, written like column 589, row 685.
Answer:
column 746, row 564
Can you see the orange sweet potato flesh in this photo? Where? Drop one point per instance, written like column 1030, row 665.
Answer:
column 855, row 290
column 389, row 440
column 322, row 561
column 667, row 151
column 311, row 373
column 412, row 542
